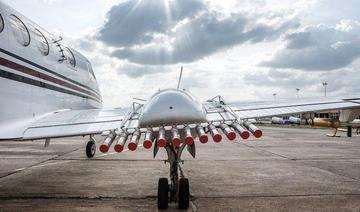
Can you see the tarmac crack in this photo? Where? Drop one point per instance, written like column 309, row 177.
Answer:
column 300, row 161
column 38, row 164
column 262, row 150
column 338, row 174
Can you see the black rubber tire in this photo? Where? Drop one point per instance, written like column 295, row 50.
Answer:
column 184, row 193
column 90, row 149
column 163, row 194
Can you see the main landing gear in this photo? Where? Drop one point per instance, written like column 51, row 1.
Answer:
column 90, row 148
column 178, row 190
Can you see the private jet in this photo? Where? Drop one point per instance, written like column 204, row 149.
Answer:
column 49, row 90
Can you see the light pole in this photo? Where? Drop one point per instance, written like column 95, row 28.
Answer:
column 325, row 85
column 297, row 92
column 274, row 94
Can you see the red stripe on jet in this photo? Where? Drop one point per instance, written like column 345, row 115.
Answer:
column 29, row 71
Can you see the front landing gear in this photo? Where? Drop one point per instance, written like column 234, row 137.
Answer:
column 179, row 189
column 184, row 193
column 163, row 193
column 90, row 148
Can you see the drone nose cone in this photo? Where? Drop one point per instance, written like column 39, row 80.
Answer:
column 171, row 106
column 119, row 148
column 104, row 148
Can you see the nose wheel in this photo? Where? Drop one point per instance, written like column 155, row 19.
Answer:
column 163, row 193
column 179, row 189
column 184, row 193
column 165, row 190
column 90, row 148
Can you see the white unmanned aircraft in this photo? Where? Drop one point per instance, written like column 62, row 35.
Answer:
column 48, row 90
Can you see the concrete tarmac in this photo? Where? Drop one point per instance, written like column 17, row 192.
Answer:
column 288, row 169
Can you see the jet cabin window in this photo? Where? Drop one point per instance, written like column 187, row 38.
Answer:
column 1, row 23
column 20, row 31
column 70, row 57
column 40, row 41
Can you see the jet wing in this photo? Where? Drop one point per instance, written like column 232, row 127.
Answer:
column 249, row 110
column 295, row 107
column 96, row 121
column 63, row 123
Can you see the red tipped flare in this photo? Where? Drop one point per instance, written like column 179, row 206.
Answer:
column 120, row 142
column 257, row 133
column 214, row 133
column 245, row 134
column 132, row 146
column 175, row 137
column 147, row 144
column 189, row 140
column 119, row 148
column 203, row 138
column 202, row 135
column 134, row 141
column 217, row 138
column 253, row 129
column 161, row 142
column 176, row 142
column 148, row 139
column 231, row 136
column 104, row 148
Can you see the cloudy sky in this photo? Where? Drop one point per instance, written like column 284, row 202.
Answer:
column 243, row 50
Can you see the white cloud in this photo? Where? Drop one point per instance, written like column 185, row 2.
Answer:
column 320, row 47
column 189, row 30
column 210, row 41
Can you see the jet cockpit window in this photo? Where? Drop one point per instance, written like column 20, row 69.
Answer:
column 41, row 42
column 69, row 57
column 1, row 23
column 20, row 31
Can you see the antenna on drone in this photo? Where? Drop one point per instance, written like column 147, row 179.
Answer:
column 181, row 71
